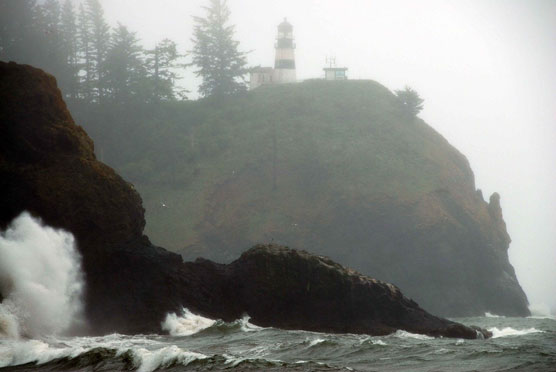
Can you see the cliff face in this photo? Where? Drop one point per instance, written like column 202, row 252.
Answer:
column 334, row 168
column 48, row 168
column 51, row 159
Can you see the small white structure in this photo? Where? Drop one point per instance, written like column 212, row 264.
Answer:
column 335, row 73
column 284, row 61
column 260, row 76
column 332, row 72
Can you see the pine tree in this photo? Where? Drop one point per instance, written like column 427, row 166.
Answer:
column 19, row 31
column 124, row 67
column 100, row 37
column 161, row 63
column 410, row 101
column 85, row 55
column 52, row 59
column 221, row 66
column 68, row 29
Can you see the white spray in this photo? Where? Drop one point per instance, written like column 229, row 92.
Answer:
column 40, row 279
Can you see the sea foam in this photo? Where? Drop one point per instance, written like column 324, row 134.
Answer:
column 490, row 315
column 509, row 331
column 40, row 278
column 148, row 361
column 147, row 355
column 404, row 334
column 186, row 324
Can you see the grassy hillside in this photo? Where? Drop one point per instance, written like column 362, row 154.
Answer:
column 323, row 141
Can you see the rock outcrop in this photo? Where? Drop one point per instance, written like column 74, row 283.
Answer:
column 48, row 168
column 292, row 289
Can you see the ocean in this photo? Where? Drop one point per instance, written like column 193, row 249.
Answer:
column 40, row 267
column 195, row 343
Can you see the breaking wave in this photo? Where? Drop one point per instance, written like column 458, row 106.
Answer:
column 40, row 279
column 404, row 334
column 236, row 346
column 148, row 361
column 490, row 315
column 189, row 324
column 509, row 331
column 136, row 353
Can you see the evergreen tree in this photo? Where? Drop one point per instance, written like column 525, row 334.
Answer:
column 161, row 63
column 19, row 32
column 68, row 30
column 85, row 54
column 124, row 67
column 410, row 101
column 221, row 66
column 100, row 38
column 52, row 59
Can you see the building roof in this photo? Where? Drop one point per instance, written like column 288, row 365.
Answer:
column 285, row 26
column 335, row 68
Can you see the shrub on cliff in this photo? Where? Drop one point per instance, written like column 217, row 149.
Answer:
column 410, row 101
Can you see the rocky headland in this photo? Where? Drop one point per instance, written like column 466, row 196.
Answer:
column 48, row 167
column 335, row 168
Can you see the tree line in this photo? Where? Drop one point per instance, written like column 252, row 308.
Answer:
column 96, row 63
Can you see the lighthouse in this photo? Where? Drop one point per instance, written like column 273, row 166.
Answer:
column 284, row 65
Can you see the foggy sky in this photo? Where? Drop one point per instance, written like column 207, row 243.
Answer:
column 486, row 70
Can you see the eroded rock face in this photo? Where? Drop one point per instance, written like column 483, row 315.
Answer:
column 47, row 167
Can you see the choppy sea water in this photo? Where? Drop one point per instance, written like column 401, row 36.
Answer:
column 41, row 278
column 200, row 344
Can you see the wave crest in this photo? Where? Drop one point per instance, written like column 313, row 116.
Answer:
column 40, row 278
column 404, row 334
column 189, row 324
column 509, row 331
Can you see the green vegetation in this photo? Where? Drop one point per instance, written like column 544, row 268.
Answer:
column 91, row 62
column 410, row 101
column 220, row 64
column 325, row 143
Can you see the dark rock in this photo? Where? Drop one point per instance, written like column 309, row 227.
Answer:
column 293, row 289
column 47, row 167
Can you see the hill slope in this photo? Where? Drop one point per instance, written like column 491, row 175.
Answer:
column 47, row 167
column 331, row 167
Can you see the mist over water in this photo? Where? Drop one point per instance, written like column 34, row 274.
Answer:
column 40, row 279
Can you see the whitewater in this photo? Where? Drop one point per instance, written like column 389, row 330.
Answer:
column 42, row 285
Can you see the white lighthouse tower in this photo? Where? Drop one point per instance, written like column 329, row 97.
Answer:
column 284, row 65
